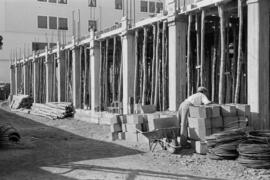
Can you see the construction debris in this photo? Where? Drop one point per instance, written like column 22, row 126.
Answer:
column 21, row 101
column 53, row 110
column 8, row 134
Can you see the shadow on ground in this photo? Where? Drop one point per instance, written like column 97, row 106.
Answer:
column 130, row 174
column 44, row 145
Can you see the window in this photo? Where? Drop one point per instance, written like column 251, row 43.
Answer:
column 159, row 6
column 42, row 22
column 42, row 0
column 92, row 3
column 52, row 22
column 92, row 24
column 144, row 6
column 52, row 1
column 152, row 7
column 62, row 1
column 40, row 46
column 63, row 23
column 118, row 4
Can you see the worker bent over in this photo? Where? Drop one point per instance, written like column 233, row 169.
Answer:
column 196, row 99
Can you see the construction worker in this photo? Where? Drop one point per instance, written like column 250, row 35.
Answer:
column 196, row 99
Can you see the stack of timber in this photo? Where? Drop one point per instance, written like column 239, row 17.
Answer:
column 53, row 110
column 255, row 151
column 224, row 145
column 21, row 101
column 8, row 134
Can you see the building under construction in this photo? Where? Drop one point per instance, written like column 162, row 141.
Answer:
column 220, row 44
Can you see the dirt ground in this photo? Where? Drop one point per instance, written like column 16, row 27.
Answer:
column 70, row 149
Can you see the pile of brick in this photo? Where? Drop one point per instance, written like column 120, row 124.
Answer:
column 207, row 120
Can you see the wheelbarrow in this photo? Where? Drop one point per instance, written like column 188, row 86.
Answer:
column 165, row 137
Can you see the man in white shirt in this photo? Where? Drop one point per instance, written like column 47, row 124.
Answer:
column 196, row 99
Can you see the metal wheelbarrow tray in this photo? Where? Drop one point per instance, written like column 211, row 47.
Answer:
column 165, row 137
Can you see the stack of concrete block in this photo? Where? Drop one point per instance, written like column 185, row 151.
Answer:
column 116, row 128
column 144, row 109
column 133, row 125
column 200, row 147
column 155, row 121
column 203, row 121
column 243, row 114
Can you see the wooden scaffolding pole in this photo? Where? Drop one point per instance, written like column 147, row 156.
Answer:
column 214, row 62
column 113, row 71
column 222, row 56
column 144, row 65
column 101, row 77
column 234, row 59
column 106, row 94
column 153, row 65
column 202, row 48
column 198, row 66
column 120, row 81
column 163, row 60
column 240, row 52
column 156, row 102
column 189, row 51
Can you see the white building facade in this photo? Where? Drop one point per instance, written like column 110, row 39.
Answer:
column 28, row 25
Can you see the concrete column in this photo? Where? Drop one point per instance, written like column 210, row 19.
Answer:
column 16, row 77
column 49, row 76
column 258, row 62
column 128, row 68
column 12, row 79
column 25, row 77
column 61, row 83
column 35, row 78
column 76, row 79
column 95, row 66
column 177, row 60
